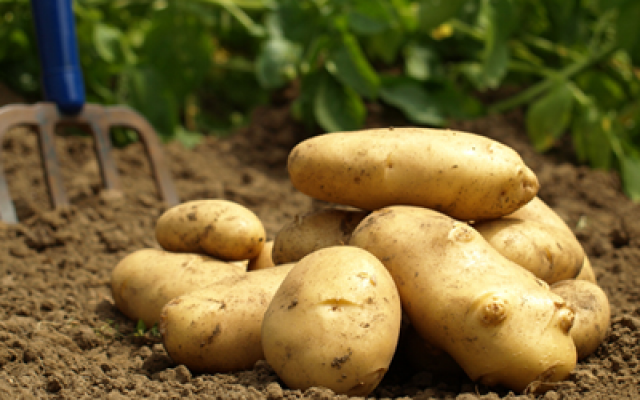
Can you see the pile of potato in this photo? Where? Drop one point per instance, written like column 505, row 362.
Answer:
column 437, row 251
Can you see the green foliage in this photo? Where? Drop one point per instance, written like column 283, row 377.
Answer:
column 167, row 59
column 380, row 50
column 549, row 116
column 142, row 331
column 201, row 66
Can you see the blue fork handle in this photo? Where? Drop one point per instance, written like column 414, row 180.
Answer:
column 61, row 74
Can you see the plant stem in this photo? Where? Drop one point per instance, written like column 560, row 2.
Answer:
column 551, row 47
column 467, row 29
column 532, row 69
column 534, row 91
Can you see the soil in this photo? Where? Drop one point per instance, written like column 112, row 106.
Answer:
column 61, row 337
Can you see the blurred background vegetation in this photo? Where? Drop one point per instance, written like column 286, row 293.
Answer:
column 195, row 67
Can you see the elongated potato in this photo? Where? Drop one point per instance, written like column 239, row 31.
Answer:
column 334, row 322
column 593, row 313
column 538, row 210
column 466, row 176
column 421, row 355
column 145, row 280
column 314, row 231
column 549, row 252
column 499, row 322
column 219, row 228
column 217, row 328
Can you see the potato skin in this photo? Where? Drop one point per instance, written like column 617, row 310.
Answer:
column 314, row 231
column 421, row 355
column 593, row 313
column 346, row 313
column 466, row 176
column 145, row 280
column 219, row 228
column 499, row 322
column 217, row 328
column 586, row 272
column 538, row 210
column 264, row 259
column 549, row 252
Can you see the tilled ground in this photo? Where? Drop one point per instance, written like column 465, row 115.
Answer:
column 61, row 337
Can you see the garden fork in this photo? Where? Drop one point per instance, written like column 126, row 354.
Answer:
column 65, row 105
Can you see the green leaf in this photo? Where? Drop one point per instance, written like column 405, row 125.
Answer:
column 106, row 40
column 178, row 50
column 605, row 5
column 410, row 97
column 455, row 103
column 630, row 169
column 337, row 107
column 628, row 29
column 149, row 94
column 600, row 86
column 567, row 20
column 276, row 63
column 589, row 139
column 299, row 20
column 421, row 62
column 385, row 46
column 368, row 17
column 140, row 328
column 433, row 13
column 548, row 117
column 302, row 108
column 501, row 15
column 350, row 66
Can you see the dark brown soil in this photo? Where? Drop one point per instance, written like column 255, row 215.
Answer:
column 61, row 337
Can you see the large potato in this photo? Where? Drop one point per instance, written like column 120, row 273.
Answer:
column 499, row 322
column 145, row 280
column 466, row 176
column 414, row 351
column 549, row 252
column 314, row 231
column 219, row 228
column 593, row 313
column 538, row 210
column 217, row 328
column 334, row 322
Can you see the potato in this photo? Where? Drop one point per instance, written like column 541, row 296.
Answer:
column 421, row 355
column 593, row 313
column 314, row 231
column 466, row 176
column 334, row 322
column 217, row 328
column 145, row 280
column 499, row 322
column 219, row 228
column 586, row 272
column 549, row 252
column 538, row 210
column 264, row 259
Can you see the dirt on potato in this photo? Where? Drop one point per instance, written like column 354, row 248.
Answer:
column 61, row 336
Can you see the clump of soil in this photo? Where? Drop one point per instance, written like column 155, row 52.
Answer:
column 61, row 337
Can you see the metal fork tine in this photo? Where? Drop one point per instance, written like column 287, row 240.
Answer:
column 100, row 130
column 10, row 116
column 53, row 175
column 7, row 210
column 126, row 117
